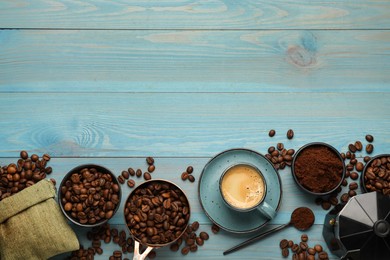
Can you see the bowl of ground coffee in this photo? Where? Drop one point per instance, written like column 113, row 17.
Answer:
column 376, row 175
column 89, row 195
column 318, row 168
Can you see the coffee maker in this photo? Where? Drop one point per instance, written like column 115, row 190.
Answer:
column 360, row 229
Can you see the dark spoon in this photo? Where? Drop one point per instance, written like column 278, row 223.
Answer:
column 297, row 216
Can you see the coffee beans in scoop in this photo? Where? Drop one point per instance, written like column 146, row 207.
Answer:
column 25, row 172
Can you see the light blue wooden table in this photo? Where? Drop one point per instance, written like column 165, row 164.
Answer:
column 111, row 82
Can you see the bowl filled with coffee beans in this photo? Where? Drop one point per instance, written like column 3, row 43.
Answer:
column 318, row 168
column 157, row 214
column 376, row 175
column 89, row 195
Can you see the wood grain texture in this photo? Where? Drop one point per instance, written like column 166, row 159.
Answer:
column 186, row 124
column 196, row 14
column 194, row 61
column 170, row 169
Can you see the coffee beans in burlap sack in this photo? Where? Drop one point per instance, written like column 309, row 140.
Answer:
column 32, row 225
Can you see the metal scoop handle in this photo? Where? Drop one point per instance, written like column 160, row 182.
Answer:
column 137, row 255
column 254, row 239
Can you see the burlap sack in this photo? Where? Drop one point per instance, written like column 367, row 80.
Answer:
column 32, row 225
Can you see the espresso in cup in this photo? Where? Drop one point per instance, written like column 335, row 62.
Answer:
column 243, row 187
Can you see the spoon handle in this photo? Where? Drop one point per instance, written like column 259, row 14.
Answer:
column 254, row 239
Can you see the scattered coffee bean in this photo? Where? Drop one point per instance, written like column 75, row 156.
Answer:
column 280, row 146
column 125, row 174
column 190, row 169
column 174, row 247
column 303, row 246
column 271, row 133
column 290, row 134
column 184, row 176
column 195, row 226
column 151, row 168
column 131, row 183
column 311, row 251
column 326, row 205
column 369, row 148
column 318, row 248
column 344, row 182
column 24, row 155
column 359, row 166
column 369, row 138
column 323, row 256
column 214, row 228
column 138, row 173
column 147, row 176
column 366, row 159
column 185, row 250
column 191, row 178
column 354, row 175
column 358, row 145
column 353, row 186
column 203, row 235
column 295, row 248
column 310, row 257
column 290, row 243
column 344, row 198
column 352, row 148
column 271, row 149
column 121, row 179
column 149, row 160
column 283, row 243
column 351, row 193
column 199, row 241
column 131, row 171
column 285, row 252
column 333, row 200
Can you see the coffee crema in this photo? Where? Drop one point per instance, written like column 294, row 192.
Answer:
column 243, row 187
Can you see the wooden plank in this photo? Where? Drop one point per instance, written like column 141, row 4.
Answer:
column 194, row 61
column 186, row 124
column 170, row 169
column 196, row 14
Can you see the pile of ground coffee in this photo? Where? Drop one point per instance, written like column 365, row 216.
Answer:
column 318, row 168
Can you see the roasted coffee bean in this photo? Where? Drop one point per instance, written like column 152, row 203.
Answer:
column 295, row 248
column 131, row 183
column 323, row 256
column 366, row 159
column 203, row 235
column 138, row 173
column 34, row 157
column 333, row 200
column 359, row 166
column 354, row 175
column 302, row 256
column 23, row 155
column 290, row 243
column 352, row 148
column 326, row 205
column 184, row 176
column 195, row 226
column 369, row 138
column 285, row 252
column 351, row 193
column 280, row 146
column 190, row 169
column 121, row 179
column 117, row 254
column 131, row 171
column 344, row 182
column 185, row 250
column 271, row 133
column 151, row 168
column 369, row 148
column 174, row 247
column 199, row 241
column 191, row 178
column 283, row 243
column 214, row 229
column 152, row 254
column 147, row 176
column 311, row 251
column 303, row 246
column 149, row 160
column 318, row 248
column 353, row 186
column 290, row 134
column 310, row 257
column 344, row 198
column 271, row 149
column 304, row 237
column 295, row 257
column 125, row 174
column 358, row 145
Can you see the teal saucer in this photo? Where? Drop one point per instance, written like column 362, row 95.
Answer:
column 212, row 202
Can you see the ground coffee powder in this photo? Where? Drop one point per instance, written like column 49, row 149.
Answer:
column 302, row 218
column 318, row 168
